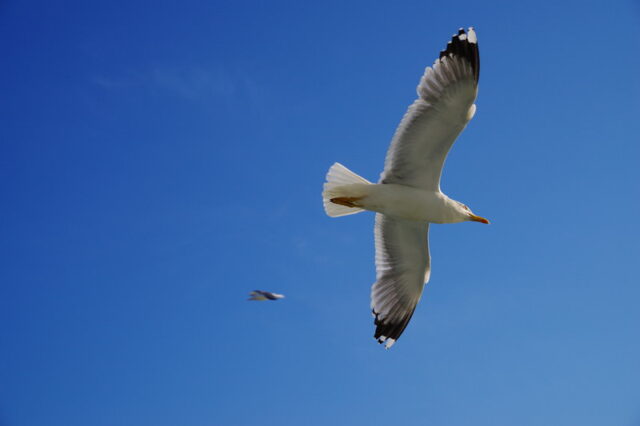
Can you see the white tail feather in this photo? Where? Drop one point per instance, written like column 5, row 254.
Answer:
column 338, row 184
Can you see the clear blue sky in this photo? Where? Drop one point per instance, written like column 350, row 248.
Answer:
column 158, row 162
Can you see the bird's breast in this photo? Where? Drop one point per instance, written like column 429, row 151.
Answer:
column 406, row 202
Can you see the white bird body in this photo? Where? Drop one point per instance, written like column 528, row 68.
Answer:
column 408, row 198
column 403, row 202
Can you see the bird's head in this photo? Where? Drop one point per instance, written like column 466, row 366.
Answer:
column 468, row 215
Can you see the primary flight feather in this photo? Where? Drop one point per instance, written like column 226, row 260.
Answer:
column 408, row 197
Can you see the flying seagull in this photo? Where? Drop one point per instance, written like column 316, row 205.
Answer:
column 408, row 197
column 264, row 295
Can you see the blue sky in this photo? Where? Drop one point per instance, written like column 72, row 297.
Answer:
column 159, row 161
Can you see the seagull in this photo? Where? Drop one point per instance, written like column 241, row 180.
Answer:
column 264, row 295
column 407, row 198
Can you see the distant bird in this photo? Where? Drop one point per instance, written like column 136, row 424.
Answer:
column 408, row 197
column 264, row 295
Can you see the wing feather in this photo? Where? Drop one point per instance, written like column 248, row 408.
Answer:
column 402, row 268
column 430, row 126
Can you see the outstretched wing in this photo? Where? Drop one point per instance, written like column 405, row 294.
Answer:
column 402, row 269
column 433, row 122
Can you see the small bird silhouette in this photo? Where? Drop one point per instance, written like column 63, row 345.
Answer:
column 264, row 295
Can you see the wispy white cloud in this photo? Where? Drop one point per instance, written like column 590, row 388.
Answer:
column 110, row 82
column 193, row 82
column 187, row 82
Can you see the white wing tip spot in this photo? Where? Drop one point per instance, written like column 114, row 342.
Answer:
column 471, row 34
column 388, row 342
column 471, row 112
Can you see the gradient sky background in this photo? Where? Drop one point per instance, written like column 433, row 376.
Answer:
column 158, row 162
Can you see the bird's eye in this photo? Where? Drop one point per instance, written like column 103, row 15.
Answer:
column 466, row 208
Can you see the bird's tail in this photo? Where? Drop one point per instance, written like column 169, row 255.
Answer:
column 255, row 295
column 342, row 190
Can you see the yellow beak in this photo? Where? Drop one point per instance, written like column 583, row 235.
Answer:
column 478, row 219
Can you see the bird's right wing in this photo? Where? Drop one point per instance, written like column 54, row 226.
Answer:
column 433, row 122
column 402, row 269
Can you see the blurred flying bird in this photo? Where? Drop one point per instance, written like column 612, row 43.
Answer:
column 264, row 295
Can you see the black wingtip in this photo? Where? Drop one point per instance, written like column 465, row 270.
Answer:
column 392, row 330
column 465, row 45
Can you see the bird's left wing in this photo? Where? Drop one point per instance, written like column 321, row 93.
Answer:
column 402, row 269
column 433, row 122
